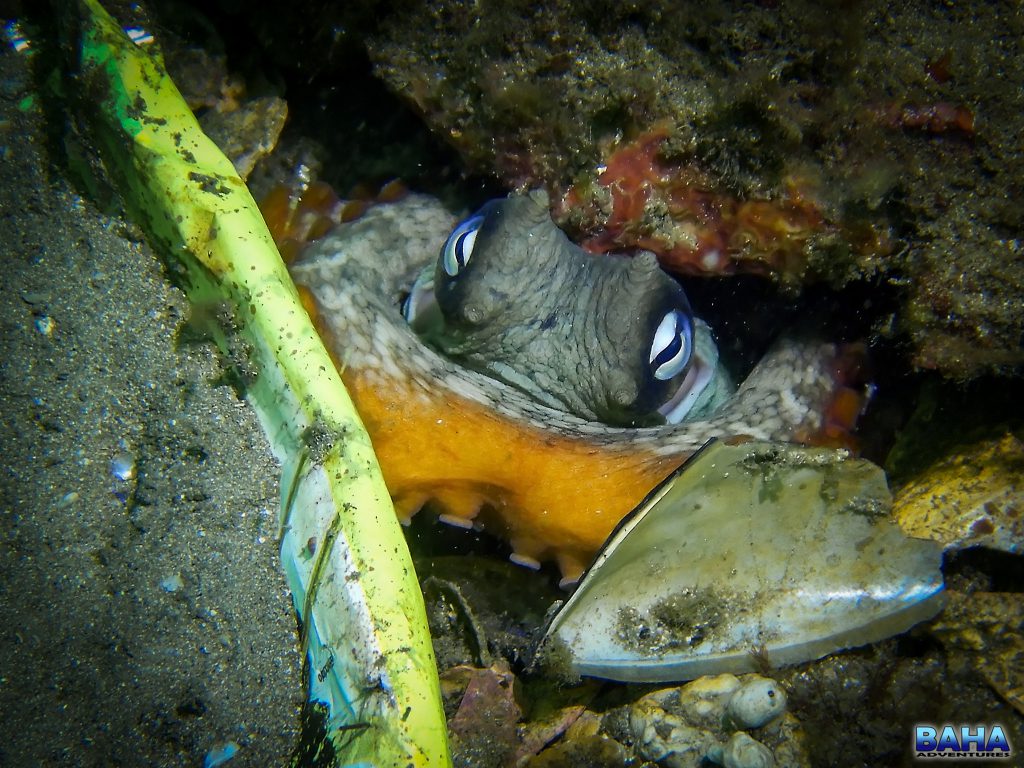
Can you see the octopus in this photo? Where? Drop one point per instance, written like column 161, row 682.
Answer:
column 518, row 385
column 610, row 339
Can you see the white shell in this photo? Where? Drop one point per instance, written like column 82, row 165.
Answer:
column 747, row 552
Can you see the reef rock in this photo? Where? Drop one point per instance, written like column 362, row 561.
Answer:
column 806, row 142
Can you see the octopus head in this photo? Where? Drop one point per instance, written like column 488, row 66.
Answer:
column 608, row 338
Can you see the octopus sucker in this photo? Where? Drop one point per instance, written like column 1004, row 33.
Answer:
column 551, row 496
column 524, row 561
column 550, row 482
column 407, row 505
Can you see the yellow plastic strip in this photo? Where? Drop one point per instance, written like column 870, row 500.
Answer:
column 372, row 672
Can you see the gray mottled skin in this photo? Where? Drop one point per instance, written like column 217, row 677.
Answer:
column 362, row 270
column 572, row 329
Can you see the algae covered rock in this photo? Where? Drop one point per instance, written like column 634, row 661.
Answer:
column 974, row 496
column 691, row 725
column 984, row 633
column 807, row 142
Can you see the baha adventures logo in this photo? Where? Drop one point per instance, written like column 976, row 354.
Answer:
column 963, row 741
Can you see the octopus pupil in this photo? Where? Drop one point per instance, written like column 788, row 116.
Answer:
column 460, row 250
column 669, row 352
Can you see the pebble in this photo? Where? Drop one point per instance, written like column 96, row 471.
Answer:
column 45, row 325
column 757, row 702
column 122, row 466
column 68, row 499
column 744, row 752
column 172, row 583
column 220, row 754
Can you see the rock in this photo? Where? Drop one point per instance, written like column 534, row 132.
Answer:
column 686, row 726
column 984, row 633
column 744, row 752
column 973, row 496
column 757, row 702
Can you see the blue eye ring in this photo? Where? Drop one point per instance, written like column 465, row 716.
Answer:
column 458, row 248
column 672, row 345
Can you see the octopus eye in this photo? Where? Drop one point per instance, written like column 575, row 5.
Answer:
column 459, row 246
column 672, row 345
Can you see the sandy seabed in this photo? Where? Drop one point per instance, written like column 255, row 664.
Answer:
column 144, row 619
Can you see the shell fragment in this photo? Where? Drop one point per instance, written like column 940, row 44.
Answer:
column 749, row 552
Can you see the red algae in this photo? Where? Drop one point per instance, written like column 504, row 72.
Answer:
column 937, row 118
column 641, row 199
